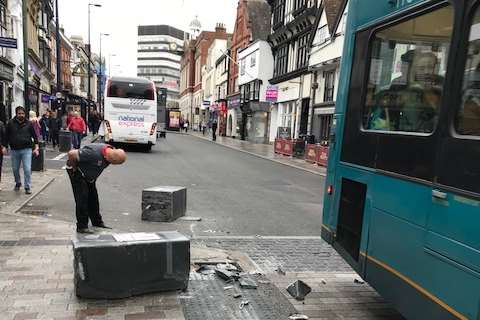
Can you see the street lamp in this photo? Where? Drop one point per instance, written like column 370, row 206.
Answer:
column 89, row 95
column 110, row 56
column 100, row 80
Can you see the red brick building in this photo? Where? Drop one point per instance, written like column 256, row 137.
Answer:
column 253, row 23
column 193, row 60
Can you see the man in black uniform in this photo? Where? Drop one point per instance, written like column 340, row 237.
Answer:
column 84, row 166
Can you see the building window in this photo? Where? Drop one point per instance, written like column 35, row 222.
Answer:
column 242, row 67
column 3, row 18
column 322, row 35
column 325, row 127
column 298, row 4
column 278, row 12
column 281, row 61
column 329, row 77
column 253, row 60
column 302, row 56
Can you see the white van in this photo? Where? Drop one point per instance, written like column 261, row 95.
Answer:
column 130, row 111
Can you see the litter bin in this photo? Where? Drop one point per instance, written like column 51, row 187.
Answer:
column 38, row 163
column 64, row 141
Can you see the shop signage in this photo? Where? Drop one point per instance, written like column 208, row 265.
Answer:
column 272, row 94
column 234, row 102
column 8, row 43
column 6, row 72
column 46, row 98
column 284, row 133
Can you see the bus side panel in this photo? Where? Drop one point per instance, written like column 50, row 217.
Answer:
column 400, row 268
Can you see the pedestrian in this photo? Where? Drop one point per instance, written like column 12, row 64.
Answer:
column 181, row 124
column 84, row 166
column 44, row 126
column 204, row 128
column 90, row 122
column 214, row 129
column 78, row 128
column 54, row 126
column 21, row 137
column 35, row 123
column 3, row 147
column 187, row 123
column 95, row 122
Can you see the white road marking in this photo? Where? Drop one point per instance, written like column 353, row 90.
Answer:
column 59, row 157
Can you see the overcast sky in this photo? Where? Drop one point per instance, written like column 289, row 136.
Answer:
column 120, row 19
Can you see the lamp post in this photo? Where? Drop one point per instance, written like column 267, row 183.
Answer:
column 100, row 77
column 89, row 94
column 25, row 56
column 110, row 56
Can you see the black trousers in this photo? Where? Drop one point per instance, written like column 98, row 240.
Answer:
column 86, row 200
column 54, row 137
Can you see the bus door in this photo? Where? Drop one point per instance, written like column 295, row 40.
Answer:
column 454, row 223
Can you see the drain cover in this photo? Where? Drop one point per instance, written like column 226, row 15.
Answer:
column 207, row 299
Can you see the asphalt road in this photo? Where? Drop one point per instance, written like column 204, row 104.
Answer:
column 232, row 192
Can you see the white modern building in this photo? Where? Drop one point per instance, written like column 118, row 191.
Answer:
column 15, row 56
column 160, row 49
column 325, row 56
column 256, row 68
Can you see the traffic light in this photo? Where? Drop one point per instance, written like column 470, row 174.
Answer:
column 162, row 97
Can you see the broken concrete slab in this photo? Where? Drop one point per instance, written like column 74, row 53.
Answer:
column 247, row 283
column 299, row 290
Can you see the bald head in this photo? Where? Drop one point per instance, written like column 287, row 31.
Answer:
column 116, row 156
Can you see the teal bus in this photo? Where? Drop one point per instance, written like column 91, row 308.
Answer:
column 403, row 181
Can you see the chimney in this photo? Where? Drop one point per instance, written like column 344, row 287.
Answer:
column 220, row 28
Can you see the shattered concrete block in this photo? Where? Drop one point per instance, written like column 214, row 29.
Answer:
column 247, row 283
column 164, row 204
column 225, row 274
column 299, row 290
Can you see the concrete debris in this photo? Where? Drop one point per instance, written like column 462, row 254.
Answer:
column 225, row 274
column 205, row 269
column 247, row 283
column 358, row 281
column 299, row 290
column 190, row 219
column 323, row 281
column 228, row 288
column 237, row 295
column 298, row 317
column 280, row 271
column 244, row 303
column 264, row 281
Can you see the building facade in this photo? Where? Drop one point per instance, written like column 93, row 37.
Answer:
column 325, row 56
column 187, row 80
column 292, row 25
column 256, row 69
column 160, row 49
column 252, row 23
column 222, row 72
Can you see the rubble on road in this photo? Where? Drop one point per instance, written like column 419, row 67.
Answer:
column 298, row 317
column 247, row 283
column 299, row 290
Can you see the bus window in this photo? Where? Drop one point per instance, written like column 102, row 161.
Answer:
column 408, row 63
column 119, row 89
column 468, row 117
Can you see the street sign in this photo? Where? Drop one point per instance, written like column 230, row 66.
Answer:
column 272, row 94
column 8, row 43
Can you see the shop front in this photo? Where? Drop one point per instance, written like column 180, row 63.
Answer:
column 234, row 116
column 6, row 88
column 257, row 121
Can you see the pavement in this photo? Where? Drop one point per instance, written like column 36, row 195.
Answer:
column 36, row 273
column 264, row 151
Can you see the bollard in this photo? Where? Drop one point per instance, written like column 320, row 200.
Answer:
column 38, row 163
column 64, row 141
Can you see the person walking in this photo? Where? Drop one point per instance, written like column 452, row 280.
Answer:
column 21, row 137
column 35, row 123
column 95, row 122
column 181, row 124
column 3, row 146
column 214, row 129
column 187, row 123
column 54, row 126
column 84, row 166
column 78, row 128
column 44, row 126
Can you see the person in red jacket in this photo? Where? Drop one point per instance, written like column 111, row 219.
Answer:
column 78, row 128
